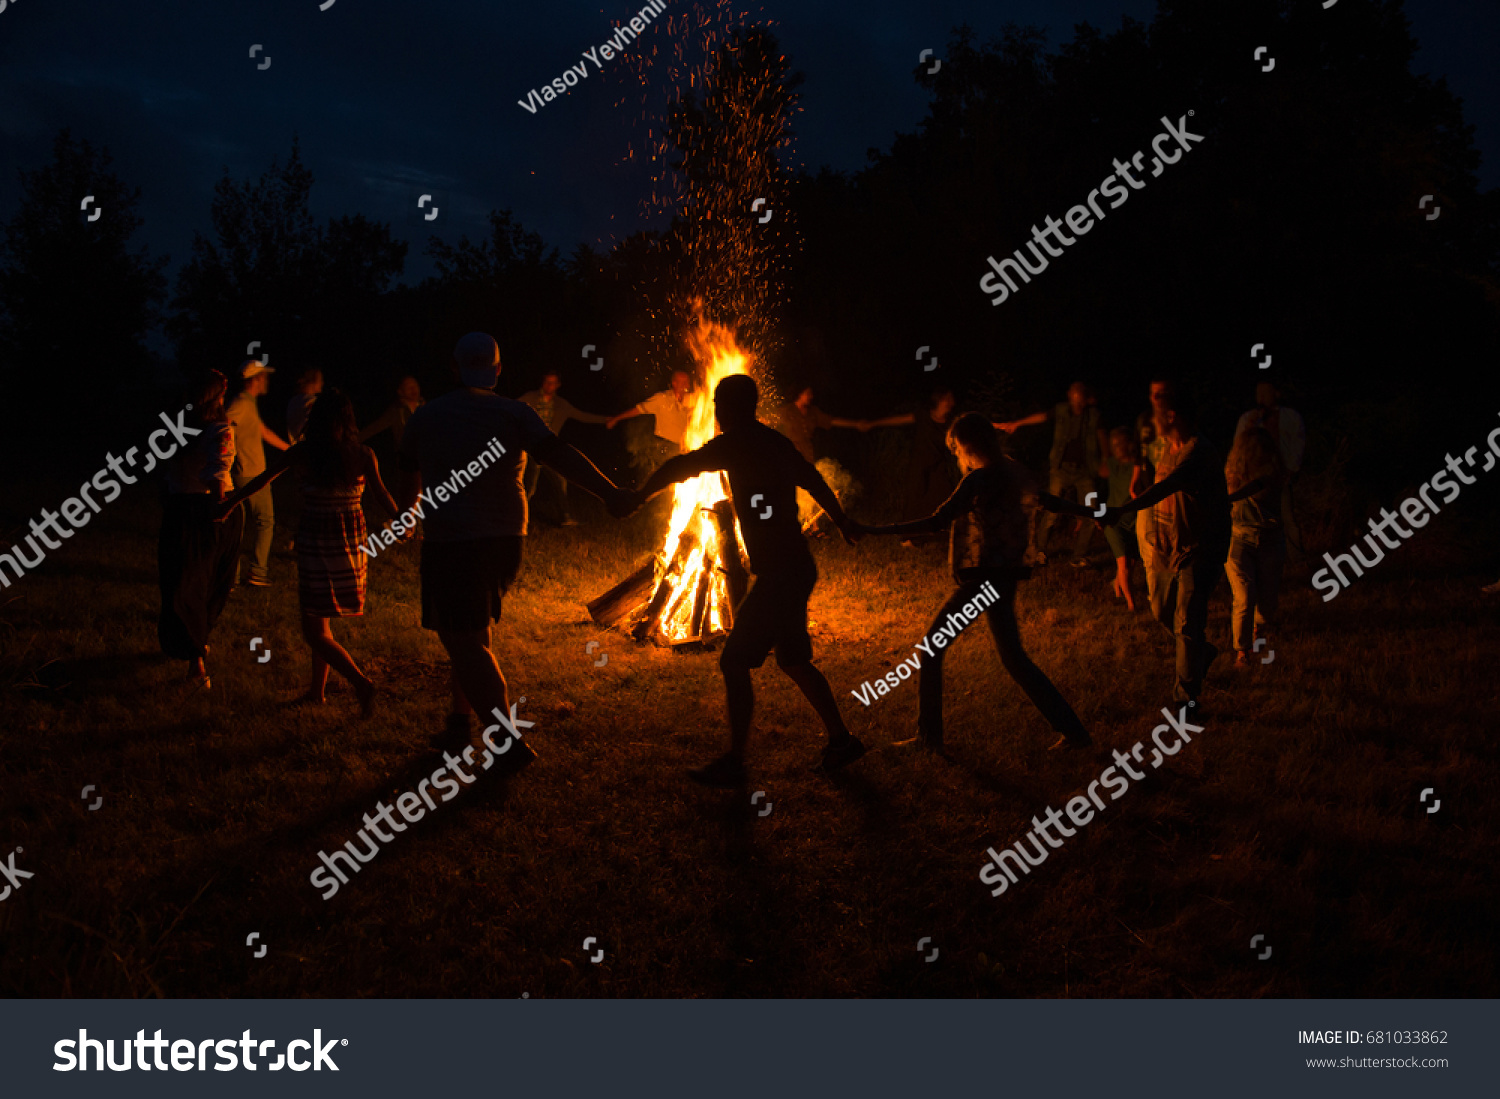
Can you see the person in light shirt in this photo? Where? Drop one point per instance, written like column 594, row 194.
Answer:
column 673, row 410
column 1286, row 427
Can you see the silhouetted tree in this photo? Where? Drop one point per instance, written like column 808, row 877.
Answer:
column 74, row 297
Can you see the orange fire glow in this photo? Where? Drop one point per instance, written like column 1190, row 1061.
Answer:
column 718, row 355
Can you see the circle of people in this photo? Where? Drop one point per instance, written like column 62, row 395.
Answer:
column 1172, row 503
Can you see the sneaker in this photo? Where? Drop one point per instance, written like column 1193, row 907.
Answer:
column 259, row 582
column 837, row 756
column 1079, row 562
column 724, row 773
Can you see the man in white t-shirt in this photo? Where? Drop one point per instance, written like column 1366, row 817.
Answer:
column 466, row 449
column 673, row 411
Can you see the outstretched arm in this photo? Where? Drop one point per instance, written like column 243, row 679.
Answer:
column 576, row 468
column 808, row 477
column 1252, row 488
column 251, row 487
column 373, row 481
column 680, row 468
column 1028, row 421
column 1067, row 507
column 945, row 514
column 629, row 414
column 386, row 420
column 274, row 439
column 890, row 421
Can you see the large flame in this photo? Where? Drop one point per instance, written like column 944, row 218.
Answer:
column 718, row 355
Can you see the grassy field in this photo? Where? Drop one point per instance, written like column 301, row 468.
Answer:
column 1295, row 816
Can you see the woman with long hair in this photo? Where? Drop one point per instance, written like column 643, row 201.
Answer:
column 335, row 468
column 1257, row 547
column 196, row 549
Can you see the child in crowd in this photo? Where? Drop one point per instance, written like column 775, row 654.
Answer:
column 987, row 541
column 1123, row 459
column 1257, row 547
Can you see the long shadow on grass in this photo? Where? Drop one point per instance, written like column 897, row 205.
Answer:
column 236, row 870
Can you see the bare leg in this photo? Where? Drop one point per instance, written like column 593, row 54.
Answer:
column 815, row 688
column 478, row 684
column 319, row 637
column 460, row 702
column 1122, row 580
column 319, row 687
column 739, row 697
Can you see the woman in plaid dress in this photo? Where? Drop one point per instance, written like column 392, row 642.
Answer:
column 335, row 468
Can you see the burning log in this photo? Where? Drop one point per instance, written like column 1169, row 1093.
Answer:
column 736, row 575
column 624, row 597
column 686, row 544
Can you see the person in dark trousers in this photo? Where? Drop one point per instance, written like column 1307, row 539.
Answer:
column 466, row 448
column 987, row 520
column 1077, row 458
column 930, row 481
column 1190, row 539
column 198, row 547
column 554, row 411
column 762, row 462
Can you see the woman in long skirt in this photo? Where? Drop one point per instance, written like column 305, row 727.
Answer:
column 196, row 554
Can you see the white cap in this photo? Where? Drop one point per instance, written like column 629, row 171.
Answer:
column 478, row 359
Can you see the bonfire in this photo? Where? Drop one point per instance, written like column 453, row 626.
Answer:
column 686, row 594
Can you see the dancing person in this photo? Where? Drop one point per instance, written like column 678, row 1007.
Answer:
column 672, row 410
column 309, row 385
column 773, row 614
column 475, row 530
column 1153, row 442
column 395, row 417
column 1287, row 428
column 1077, row 457
column 1255, row 477
column 931, row 480
column 554, row 411
column 197, row 549
column 1190, row 517
column 797, row 419
column 335, row 469
column 1124, row 458
column 250, row 437
column 987, row 521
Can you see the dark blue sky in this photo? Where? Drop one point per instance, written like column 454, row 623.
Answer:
column 391, row 99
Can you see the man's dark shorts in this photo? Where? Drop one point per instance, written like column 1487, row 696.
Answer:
column 774, row 616
column 463, row 582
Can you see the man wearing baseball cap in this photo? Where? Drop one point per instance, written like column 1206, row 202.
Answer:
column 250, row 462
column 467, row 448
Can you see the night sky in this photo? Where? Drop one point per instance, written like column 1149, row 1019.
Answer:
column 394, row 99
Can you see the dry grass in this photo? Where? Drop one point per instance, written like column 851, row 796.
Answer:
column 1295, row 816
